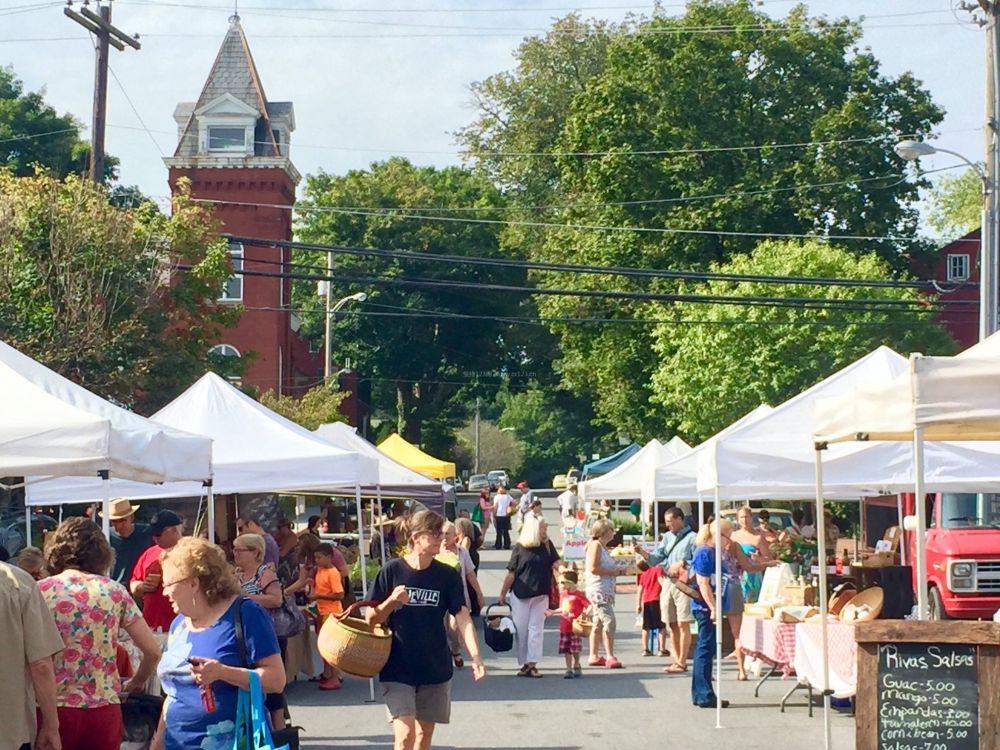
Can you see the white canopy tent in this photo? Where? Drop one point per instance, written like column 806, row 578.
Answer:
column 53, row 427
column 393, row 477
column 770, row 457
column 937, row 398
column 632, row 479
column 678, row 479
column 254, row 450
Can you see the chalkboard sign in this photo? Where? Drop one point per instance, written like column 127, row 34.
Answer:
column 928, row 697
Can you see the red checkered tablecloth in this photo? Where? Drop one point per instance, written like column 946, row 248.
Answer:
column 769, row 640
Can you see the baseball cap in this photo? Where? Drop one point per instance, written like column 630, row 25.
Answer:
column 164, row 519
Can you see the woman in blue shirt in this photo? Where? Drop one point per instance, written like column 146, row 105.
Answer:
column 707, row 609
column 204, row 665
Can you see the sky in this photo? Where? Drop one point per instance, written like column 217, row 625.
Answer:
column 374, row 78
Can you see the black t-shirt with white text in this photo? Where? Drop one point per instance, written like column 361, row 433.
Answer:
column 420, row 652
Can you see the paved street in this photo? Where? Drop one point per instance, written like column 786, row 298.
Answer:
column 637, row 705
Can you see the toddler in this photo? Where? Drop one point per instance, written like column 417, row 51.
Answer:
column 572, row 604
column 647, row 603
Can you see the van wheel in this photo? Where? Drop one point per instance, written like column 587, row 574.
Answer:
column 935, row 606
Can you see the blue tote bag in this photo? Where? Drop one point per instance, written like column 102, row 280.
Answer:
column 252, row 729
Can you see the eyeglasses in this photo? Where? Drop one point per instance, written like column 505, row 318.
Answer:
column 174, row 583
column 434, row 534
column 242, row 549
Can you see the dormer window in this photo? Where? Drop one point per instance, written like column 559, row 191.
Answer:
column 227, row 138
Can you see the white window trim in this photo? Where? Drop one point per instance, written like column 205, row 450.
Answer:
column 235, row 148
column 219, row 349
column 964, row 262
column 247, row 123
column 235, row 251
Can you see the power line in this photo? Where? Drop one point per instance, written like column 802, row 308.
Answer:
column 547, row 320
column 135, row 111
column 699, row 276
column 517, row 33
column 587, row 227
column 872, row 305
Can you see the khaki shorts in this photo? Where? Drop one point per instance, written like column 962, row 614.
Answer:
column 431, row 703
column 603, row 615
column 675, row 605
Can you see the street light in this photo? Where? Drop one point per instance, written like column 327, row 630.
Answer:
column 913, row 150
column 330, row 311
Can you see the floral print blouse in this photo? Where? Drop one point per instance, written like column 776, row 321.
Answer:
column 89, row 611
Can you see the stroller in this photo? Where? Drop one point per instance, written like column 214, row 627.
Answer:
column 497, row 639
column 140, row 715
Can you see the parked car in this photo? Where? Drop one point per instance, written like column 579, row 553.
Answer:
column 478, row 482
column 498, row 477
column 570, row 478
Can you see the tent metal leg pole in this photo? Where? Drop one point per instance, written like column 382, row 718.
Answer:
column 918, row 496
column 899, row 520
column 701, row 512
column 381, row 526
column 106, row 503
column 27, row 524
column 823, row 602
column 720, row 611
column 364, row 570
column 211, row 513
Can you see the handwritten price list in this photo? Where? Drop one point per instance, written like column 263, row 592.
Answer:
column 928, row 697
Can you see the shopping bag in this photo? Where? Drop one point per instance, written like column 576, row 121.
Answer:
column 252, row 729
column 477, row 514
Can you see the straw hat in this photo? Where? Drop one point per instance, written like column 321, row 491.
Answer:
column 120, row 508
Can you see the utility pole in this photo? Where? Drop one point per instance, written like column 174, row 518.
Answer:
column 99, row 24
column 988, row 276
column 476, row 468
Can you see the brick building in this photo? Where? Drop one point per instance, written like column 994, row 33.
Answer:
column 233, row 145
column 958, row 262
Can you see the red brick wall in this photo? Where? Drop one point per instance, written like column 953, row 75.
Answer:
column 962, row 321
column 258, row 204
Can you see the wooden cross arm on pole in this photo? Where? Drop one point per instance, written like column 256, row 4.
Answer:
column 93, row 28
column 113, row 31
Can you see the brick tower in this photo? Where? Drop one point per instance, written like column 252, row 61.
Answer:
column 233, row 144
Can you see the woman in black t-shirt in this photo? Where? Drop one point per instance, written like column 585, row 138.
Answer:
column 529, row 580
column 416, row 591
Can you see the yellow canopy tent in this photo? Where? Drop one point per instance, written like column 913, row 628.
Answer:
column 412, row 457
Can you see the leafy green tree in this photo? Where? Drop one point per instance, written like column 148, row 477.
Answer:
column 703, row 142
column 554, row 428
column 956, row 204
column 83, row 287
column 317, row 406
column 498, row 448
column 414, row 341
column 719, row 361
column 32, row 133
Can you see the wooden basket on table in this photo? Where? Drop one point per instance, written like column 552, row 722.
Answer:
column 583, row 626
column 352, row 645
column 841, row 596
column 872, row 598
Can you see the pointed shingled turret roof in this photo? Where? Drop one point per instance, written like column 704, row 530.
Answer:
column 234, row 73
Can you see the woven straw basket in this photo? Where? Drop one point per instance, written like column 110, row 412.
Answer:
column 582, row 627
column 352, row 645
